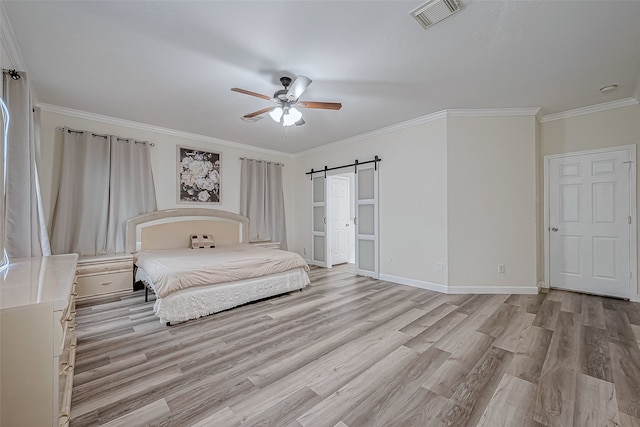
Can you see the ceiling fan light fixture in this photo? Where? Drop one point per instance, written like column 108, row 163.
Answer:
column 276, row 114
column 291, row 117
column 285, row 99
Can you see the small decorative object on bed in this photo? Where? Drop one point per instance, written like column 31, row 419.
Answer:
column 193, row 283
column 201, row 241
column 198, row 176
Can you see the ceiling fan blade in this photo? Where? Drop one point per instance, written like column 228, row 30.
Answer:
column 321, row 105
column 257, row 113
column 297, row 88
column 248, row 92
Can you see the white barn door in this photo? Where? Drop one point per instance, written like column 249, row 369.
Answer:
column 590, row 222
column 319, row 246
column 367, row 220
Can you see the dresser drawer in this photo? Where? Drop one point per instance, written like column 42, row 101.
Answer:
column 66, row 320
column 99, row 284
column 65, row 379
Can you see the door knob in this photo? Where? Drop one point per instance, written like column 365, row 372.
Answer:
column 554, row 228
column 347, row 225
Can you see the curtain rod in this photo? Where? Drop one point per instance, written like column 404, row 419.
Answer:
column 12, row 72
column 107, row 136
column 257, row 160
column 355, row 164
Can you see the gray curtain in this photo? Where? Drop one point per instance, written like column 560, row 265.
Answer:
column 131, row 189
column 262, row 200
column 81, row 211
column 25, row 225
column 104, row 181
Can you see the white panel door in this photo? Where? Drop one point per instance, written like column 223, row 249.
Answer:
column 589, row 223
column 367, row 221
column 340, row 218
column 319, row 253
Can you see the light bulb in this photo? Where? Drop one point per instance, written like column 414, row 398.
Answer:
column 292, row 117
column 276, row 114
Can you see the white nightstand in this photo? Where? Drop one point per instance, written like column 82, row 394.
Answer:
column 266, row 244
column 105, row 274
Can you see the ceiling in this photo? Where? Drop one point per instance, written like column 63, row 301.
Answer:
column 172, row 63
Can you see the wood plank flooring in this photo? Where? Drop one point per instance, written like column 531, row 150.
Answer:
column 351, row 351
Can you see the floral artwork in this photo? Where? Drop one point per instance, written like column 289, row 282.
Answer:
column 198, row 176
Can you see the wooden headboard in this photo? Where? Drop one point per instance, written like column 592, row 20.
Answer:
column 172, row 228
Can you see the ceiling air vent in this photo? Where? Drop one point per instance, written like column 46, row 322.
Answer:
column 435, row 11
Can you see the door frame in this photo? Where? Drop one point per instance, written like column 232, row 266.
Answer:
column 330, row 178
column 328, row 263
column 633, row 234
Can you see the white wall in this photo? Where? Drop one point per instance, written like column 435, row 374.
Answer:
column 491, row 201
column 412, row 193
column 10, row 54
column 163, row 162
column 611, row 128
column 4, row 58
column 460, row 191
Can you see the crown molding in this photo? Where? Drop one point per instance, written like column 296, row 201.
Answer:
column 157, row 129
column 590, row 109
column 493, row 112
column 483, row 112
column 367, row 135
column 9, row 41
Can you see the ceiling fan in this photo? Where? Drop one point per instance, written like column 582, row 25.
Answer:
column 285, row 112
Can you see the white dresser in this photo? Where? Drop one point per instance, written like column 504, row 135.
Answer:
column 37, row 340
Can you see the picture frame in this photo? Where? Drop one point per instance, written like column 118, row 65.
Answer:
column 199, row 177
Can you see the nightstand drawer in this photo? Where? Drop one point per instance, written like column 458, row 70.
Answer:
column 267, row 244
column 99, row 284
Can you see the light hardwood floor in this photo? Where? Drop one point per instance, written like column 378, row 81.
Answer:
column 353, row 351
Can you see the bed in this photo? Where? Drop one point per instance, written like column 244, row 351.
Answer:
column 191, row 283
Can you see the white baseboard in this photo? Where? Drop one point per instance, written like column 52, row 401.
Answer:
column 522, row 290
column 415, row 283
column 525, row 290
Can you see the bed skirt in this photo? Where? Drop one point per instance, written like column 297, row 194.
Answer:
column 202, row 301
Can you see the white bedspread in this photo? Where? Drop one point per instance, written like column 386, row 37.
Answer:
column 174, row 269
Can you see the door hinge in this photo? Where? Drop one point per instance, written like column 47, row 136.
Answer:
column 629, row 219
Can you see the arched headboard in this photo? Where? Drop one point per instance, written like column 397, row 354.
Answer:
column 172, row 228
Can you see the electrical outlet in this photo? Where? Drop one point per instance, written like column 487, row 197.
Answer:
column 304, row 251
column 440, row 267
column 501, row 268
column 390, row 260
